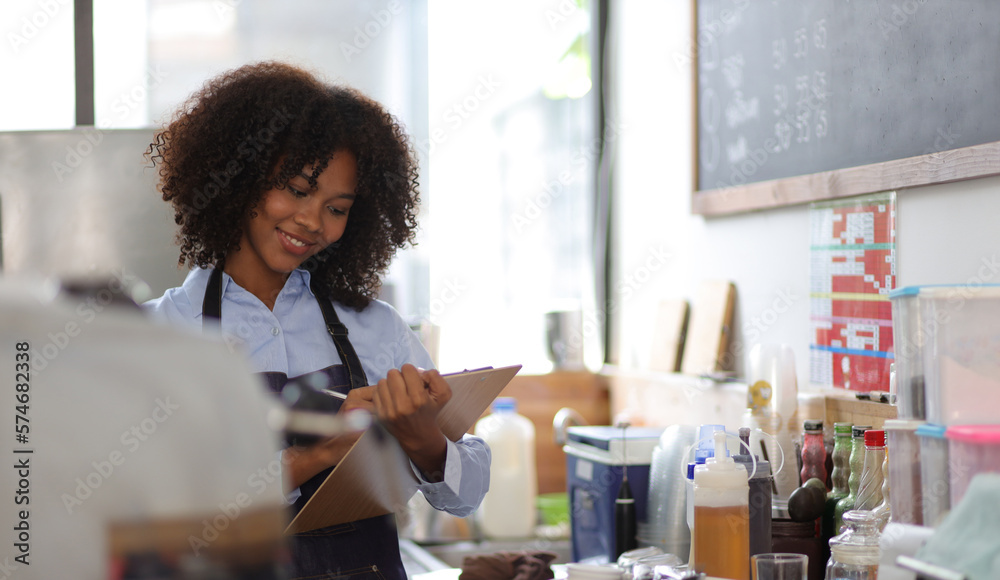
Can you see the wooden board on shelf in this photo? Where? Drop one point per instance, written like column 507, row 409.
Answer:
column 709, row 329
column 846, row 408
column 668, row 335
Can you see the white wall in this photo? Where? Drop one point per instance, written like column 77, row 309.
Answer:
column 945, row 233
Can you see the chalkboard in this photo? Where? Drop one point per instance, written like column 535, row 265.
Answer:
column 796, row 87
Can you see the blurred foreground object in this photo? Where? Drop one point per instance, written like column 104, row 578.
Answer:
column 142, row 451
column 968, row 539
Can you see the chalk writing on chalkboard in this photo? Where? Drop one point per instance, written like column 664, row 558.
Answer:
column 787, row 88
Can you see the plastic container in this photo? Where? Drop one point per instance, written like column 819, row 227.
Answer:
column 594, row 458
column 903, row 445
column 772, row 406
column 909, row 338
column 508, row 510
column 972, row 449
column 666, row 526
column 721, row 516
column 957, row 340
column 760, row 496
column 935, row 481
column 705, row 448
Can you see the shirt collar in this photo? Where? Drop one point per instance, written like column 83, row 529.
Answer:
column 196, row 284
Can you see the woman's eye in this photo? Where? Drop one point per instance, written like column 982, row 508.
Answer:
column 336, row 211
column 296, row 192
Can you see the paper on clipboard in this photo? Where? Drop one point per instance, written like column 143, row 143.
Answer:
column 375, row 478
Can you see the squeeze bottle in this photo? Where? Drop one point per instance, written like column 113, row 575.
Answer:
column 721, row 516
column 760, row 496
column 508, row 510
column 704, row 448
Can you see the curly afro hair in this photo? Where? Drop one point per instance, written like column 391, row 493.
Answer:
column 255, row 127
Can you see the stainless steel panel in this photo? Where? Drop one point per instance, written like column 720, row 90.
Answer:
column 84, row 202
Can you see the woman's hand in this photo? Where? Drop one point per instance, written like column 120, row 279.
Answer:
column 302, row 463
column 407, row 402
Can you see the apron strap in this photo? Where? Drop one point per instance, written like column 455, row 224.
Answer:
column 338, row 332
column 211, row 308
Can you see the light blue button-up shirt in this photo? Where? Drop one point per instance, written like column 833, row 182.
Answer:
column 293, row 339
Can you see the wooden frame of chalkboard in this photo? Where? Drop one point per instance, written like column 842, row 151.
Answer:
column 797, row 102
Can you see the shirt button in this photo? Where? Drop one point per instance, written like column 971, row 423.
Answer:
column 275, row 331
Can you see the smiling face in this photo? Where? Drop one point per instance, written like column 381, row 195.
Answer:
column 291, row 225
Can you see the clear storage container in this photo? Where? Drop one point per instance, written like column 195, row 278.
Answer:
column 961, row 366
column 935, row 480
column 972, row 449
column 909, row 338
column 903, row 450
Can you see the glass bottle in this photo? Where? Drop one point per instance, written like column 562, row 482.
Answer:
column 870, row 490
column 813, row 452
column 839, row 477
column 854, row 554
column 857, row 463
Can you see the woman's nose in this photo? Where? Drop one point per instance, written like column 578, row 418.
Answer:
column 308, row 217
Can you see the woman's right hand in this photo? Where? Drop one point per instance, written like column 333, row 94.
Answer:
column 302, row 463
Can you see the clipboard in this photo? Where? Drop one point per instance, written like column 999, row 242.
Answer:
column 375, row 477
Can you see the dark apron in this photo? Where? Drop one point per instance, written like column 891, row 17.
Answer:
column 357, row 550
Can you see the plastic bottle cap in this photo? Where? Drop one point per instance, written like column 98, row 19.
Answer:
column 859, row 430
column 874, row 438
column 812, row 425
column 504, row 405
column 720, row 449
column 721, row 472
column 840, row 428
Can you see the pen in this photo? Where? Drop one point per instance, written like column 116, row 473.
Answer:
column 336, row 394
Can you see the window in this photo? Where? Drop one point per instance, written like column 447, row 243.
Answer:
column 497, row 97
column 510, row 186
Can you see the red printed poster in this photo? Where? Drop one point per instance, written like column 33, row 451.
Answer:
column 852, row 270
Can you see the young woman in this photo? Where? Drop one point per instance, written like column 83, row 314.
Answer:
column 292, row 196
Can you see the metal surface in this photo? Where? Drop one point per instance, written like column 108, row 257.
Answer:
column 563, row 420
column 83, row 203
column 83, row 55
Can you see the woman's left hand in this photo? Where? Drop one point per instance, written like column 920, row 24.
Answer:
column 407, row 402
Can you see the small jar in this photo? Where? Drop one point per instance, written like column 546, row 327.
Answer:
column 792, row 537
column 854, row 554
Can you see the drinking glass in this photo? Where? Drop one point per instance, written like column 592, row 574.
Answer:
column 779, row 566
